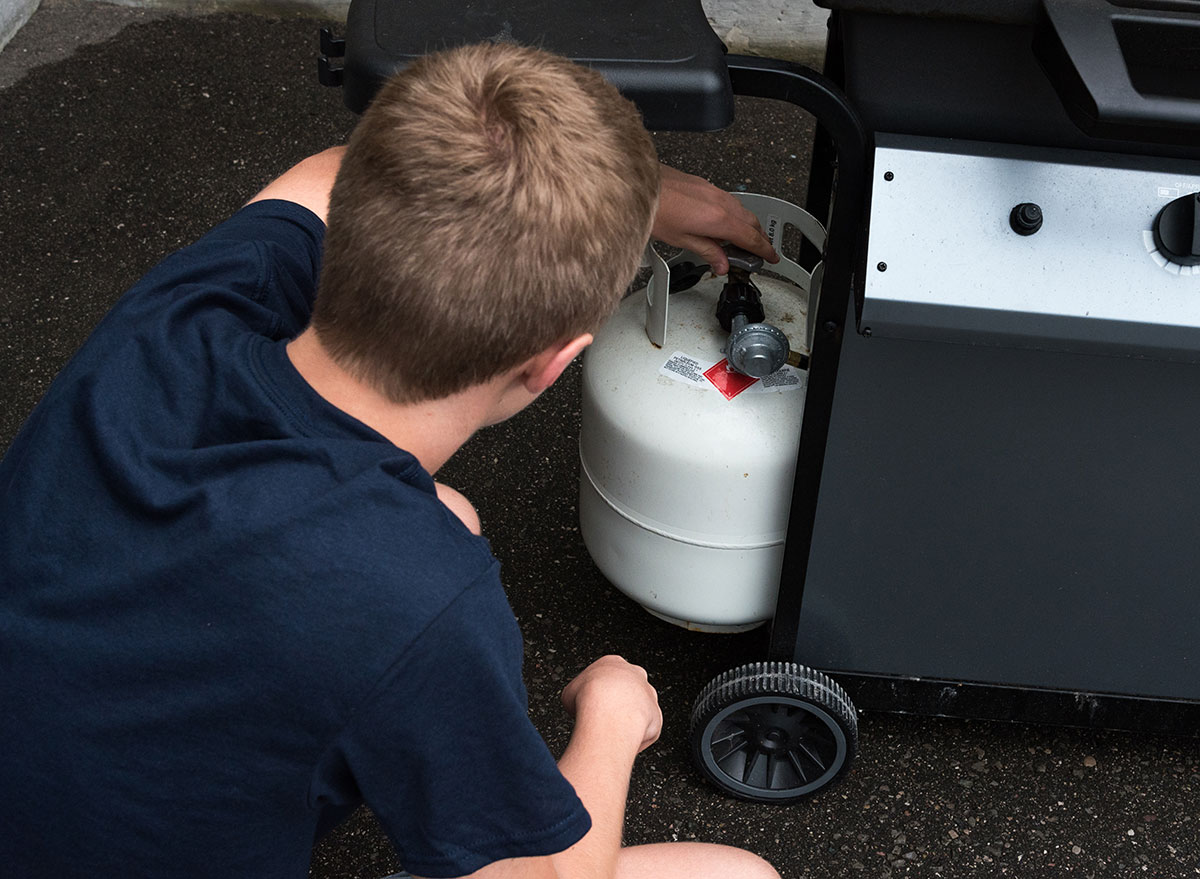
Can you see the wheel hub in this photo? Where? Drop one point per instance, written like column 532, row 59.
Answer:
column 774, row 741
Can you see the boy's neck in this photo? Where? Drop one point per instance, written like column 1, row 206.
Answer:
column 431, row 430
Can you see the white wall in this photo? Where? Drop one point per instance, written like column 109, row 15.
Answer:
column 790, row 29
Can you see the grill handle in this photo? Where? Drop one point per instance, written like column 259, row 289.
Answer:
column 1129, row 71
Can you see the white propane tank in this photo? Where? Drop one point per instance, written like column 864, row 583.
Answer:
column 684, row 489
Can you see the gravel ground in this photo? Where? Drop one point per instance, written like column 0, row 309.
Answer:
column 127, row 134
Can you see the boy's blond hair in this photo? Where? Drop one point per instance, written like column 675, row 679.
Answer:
column 493, row 201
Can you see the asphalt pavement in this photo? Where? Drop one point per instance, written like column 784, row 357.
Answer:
column 128, row 133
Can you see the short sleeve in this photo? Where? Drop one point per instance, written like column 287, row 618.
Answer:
column 266, row 258
column 290, row 238
column 445, row 754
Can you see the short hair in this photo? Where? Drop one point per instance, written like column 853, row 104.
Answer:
column 493, row 201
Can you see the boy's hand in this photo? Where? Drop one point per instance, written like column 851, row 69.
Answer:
column 697, row 216
column 615, row 692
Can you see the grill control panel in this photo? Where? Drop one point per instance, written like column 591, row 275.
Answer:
column 1028, row 247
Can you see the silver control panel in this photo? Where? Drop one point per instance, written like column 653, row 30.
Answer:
column 1027, row 247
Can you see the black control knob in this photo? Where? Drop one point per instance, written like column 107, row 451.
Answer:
column 1177, row 230
column 1025, row 218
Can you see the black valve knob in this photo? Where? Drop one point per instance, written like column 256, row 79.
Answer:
column 739, row 295
column 1025, row 218
column 1177, row 230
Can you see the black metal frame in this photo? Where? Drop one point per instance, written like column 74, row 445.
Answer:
column 845, row 251
column 980, row 701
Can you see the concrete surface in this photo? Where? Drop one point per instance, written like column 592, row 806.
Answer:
column 13, row 14
column 127, row 134
column 793, row 31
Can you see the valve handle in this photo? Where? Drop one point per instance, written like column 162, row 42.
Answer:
column 742, row 260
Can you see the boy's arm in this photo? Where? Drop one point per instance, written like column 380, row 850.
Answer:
column 307, row 183
column 457, row 503
column 697, row 216
column 616, row 717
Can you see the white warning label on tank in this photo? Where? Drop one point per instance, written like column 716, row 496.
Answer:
column 685, row 367
column 786, row 379
column 695, row 372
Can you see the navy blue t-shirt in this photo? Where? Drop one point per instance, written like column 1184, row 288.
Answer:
column 230, row 613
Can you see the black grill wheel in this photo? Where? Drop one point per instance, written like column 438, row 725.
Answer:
column 773, row 732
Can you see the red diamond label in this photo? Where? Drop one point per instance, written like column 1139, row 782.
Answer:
column 727, row 381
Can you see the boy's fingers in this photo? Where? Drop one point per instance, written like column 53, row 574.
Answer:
column 714, row 254
column 711, row 252
column 753, row 238
column 756, row 241
column 695, row 215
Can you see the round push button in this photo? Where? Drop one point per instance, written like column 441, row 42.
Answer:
column 1025, row 218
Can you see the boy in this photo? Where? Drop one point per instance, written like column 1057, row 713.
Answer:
column 234, row 603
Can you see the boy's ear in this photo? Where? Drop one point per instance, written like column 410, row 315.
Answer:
column 544, row 369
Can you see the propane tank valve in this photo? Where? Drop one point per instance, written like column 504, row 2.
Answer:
column 755, row 348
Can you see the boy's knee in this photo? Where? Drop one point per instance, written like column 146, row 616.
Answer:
column 460, row 506
column 693, row 860
column 752, row 866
